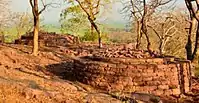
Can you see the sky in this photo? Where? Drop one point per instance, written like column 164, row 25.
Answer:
column 52, row 14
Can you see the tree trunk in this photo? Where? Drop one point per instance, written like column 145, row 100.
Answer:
column 145, row 31
column 98, row 32
column 189, row 40
column 139, row 35
column 160, row 47
column 195, row 55
column 36, row 36
column 36, row 29
column 189, row 48
column 144, row 27
column 92, row 29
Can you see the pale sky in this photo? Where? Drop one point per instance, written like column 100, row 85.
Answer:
column 52, row 14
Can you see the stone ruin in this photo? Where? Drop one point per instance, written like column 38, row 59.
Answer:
column 48, row 39
column 158, row 76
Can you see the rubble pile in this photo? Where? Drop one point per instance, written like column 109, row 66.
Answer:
column 124, row 51
column 48, row 39
column 117, row 52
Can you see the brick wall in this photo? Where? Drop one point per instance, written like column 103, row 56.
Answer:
column 159, row 76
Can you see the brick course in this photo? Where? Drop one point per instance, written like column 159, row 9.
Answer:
column 158, row 76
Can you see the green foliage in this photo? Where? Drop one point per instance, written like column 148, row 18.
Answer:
column 88, row 37
column 10, row 34
column 50, row 28
column 73, row 20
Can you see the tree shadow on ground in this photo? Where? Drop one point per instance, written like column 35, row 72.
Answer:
column 63, row 70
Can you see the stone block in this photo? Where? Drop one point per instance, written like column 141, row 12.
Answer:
column 138, row 88
column 141, row 66
column 149, row 88
column 160, row 74
column 148, row 79
column 158, row 60
column 117, row 87
column 162, row 66
column 163, row 87
column 144, row 74
column 111, row 65
column 139, row 83
column 153, row 83
column 131, row 67
column 121, row 66
column 174, row 86
column 158, row 92
column 176, row 91
column 168, row 92
column 149, row 70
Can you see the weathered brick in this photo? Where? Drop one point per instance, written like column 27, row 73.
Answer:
column 142, row 66
column 117, row 87
column 176, row 91
column 158, row 60
column 129, row 88
column 153, row 83
column 112, row 65
column 163, row 87
column 160, row 74
column 144, row 75
column 149, row 70
column 158, row 92
column 137, row 79
column 149, row 88
column 148, row 79
column 121, row 66
column 168, row 92
column 162, row 66
column 138, row 88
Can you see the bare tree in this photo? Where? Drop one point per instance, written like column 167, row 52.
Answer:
column 36, row 13
column 164, row 28
column 142, row 11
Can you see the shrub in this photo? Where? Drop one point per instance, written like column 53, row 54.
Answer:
column 88, row 37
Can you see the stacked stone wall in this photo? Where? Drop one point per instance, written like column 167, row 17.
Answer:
column 159, row 76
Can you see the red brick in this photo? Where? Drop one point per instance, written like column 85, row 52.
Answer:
column 163, row 87
column 160, row 74
column 121, row 66
column 165, row 82
column 176, row 91
column 168, row 92
column 149, row 70
column 158, row 92
column 148, row 79
column 141, row 67
column 153, row 83
column 112, row 65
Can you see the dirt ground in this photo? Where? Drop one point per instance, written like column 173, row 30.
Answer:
column 47, row 78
